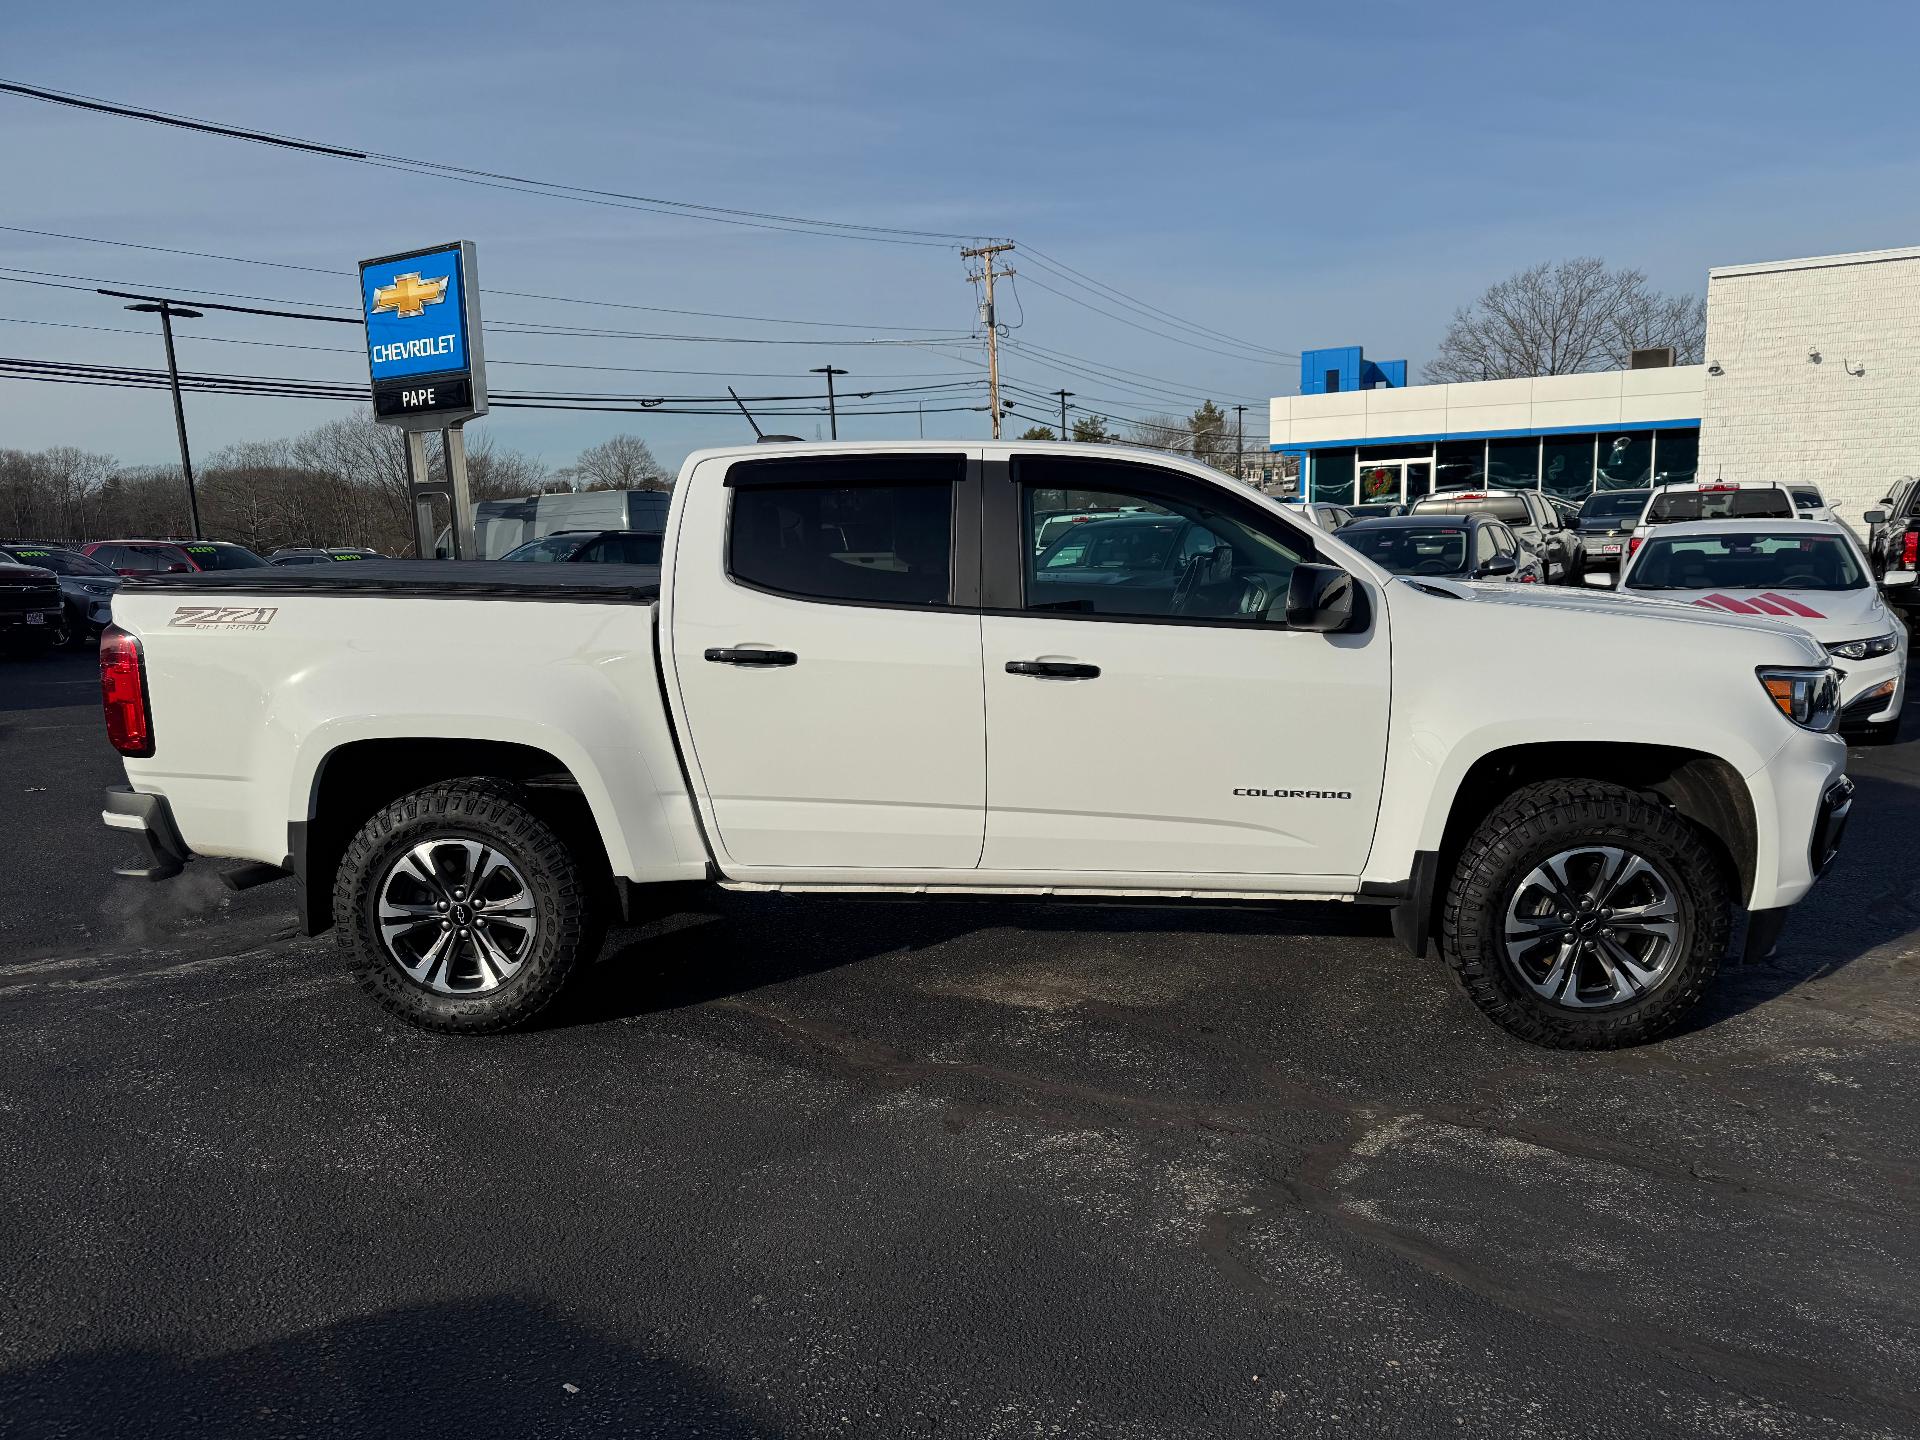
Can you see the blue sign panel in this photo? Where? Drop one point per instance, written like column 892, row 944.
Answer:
column 416, row 309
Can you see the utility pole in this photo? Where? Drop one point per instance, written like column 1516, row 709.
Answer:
column 1065, row 395
column 985, row 254
column 1240, row 442
column 833, row 415
column 166, row 310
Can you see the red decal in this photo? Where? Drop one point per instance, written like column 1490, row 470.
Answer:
column 1727, row 602
column 1794, row 607
column 1769, row 605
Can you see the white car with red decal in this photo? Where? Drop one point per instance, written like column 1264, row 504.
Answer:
column 1809, row 573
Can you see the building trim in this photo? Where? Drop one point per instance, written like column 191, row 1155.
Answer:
column 1378, row 442
column 1815, row 262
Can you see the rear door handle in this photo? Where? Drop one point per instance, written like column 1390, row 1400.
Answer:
column 1053, row 669
column 765, row 658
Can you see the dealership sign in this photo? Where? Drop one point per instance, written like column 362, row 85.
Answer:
column 422, row 311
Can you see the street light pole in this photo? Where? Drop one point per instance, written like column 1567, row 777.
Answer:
column 833, row 416
column 166, row 310
column 1240, row 442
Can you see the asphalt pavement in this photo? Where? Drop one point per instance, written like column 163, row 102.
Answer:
column 789, row 1168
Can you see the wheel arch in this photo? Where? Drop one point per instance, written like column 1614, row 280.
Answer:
column 1703, row 788
column 356, row 779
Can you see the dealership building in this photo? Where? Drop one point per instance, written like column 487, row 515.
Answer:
column 1812, row 373
column 1360, row 433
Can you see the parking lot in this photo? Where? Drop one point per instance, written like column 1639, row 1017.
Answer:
column 819, row 1168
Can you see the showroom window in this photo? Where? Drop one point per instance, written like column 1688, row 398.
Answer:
column 1676, row 456
column 1333, row 476
column 1513, row 464
column 1566, row 466
column 1459, row 463
column 1625, row 459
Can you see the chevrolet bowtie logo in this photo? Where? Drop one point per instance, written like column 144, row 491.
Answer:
column 409, row 295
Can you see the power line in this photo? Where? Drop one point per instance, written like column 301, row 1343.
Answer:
column 755, row 219
column 1141, row 325
column 1086, row 281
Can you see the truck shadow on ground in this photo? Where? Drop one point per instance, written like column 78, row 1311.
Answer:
column 490, row 1365
column 743, row 943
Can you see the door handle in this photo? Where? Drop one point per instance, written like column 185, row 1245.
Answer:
column 763, row 658
column 1053, row 669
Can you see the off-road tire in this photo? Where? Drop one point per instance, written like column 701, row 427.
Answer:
column 1537, row 821
column 495, row 813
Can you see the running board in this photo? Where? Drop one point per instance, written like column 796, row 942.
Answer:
column 1026, row 892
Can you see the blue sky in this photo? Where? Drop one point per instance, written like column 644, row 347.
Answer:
column 1295, row 176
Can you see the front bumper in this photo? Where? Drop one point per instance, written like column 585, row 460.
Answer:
column 152, row 819
column 1829, row 829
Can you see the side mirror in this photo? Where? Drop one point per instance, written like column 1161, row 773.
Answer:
column 1875, row 517
column 1320, row 597
column 1498, row 565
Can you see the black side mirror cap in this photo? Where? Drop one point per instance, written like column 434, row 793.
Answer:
column 1321, row 598
column 1499, row 565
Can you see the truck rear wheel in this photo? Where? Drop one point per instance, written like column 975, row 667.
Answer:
column 1585, row 916
column 461, row 910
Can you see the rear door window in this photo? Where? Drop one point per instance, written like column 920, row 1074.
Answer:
column 859, row 529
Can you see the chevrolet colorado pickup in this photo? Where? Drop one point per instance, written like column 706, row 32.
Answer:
column 854, row 671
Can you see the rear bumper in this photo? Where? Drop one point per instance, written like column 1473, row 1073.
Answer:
column 150, row 817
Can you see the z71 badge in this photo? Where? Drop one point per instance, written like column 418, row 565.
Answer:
column 223, row 617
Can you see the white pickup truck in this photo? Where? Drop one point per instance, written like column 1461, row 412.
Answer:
column 857, row 671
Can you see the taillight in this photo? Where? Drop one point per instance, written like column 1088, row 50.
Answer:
column 1633, row 544
column 1910, row 549
column 123, row 692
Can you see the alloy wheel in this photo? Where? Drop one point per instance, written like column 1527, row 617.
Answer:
column 1594, row 926
column 457, row 916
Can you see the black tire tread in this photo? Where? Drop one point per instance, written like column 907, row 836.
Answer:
column 569, row 931
column 1533, row 814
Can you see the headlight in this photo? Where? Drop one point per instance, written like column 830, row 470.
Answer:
column 1809, row 698
column 1866, row 649
column 98, row 589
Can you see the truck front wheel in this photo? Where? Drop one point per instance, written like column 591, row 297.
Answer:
column 1586, row 916
column 461, row 910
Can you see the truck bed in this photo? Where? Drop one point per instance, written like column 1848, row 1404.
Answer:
column 429, row 579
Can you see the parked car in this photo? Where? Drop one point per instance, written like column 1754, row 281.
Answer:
column 1711, row 500
column 472, row 765
column 129, row 558
column 86, row 588
column 503, row 525
column 1323, row 515
column 1809, row 503
column 1893, row 541
column 1049, row 525
column 320, row 555
column 1375, row 510
column 30, row 609
column 1456, row 547
column 594, row 547
column 1807, row 573
column 1540, row 528
column 1605, row 525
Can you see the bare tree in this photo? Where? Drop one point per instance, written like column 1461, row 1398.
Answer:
column 622, row 463
column 1161, row 432
column 1560, row 319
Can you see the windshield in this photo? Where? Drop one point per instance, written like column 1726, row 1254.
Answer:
column 548, row 549
column 1510, row 508
column 1751, row 504
column 1412, row 549
column 1747, row 561
column 61, row 562
column 1615, row 505
column 223, row 557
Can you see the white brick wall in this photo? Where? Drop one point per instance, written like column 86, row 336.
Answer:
column 1774, row 414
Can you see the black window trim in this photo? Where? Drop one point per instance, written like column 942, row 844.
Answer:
column 1003, row 574
column 963, row 554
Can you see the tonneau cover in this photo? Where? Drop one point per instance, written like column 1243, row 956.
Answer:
column 582, row 584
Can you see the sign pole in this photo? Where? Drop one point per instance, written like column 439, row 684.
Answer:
column 420, row 489
column 453, row 448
